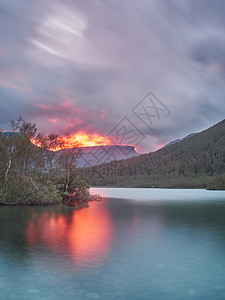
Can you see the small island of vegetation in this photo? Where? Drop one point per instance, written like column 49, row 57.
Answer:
column 37, row 175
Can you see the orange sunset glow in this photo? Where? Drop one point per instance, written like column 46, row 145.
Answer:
column 85, row 140
column 79, row 139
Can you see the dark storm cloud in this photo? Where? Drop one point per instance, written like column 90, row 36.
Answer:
column 85, row 64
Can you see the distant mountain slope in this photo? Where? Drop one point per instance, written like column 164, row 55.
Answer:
column 8, row 133
column 96, row 155
column 179, row 140
column 190, row 163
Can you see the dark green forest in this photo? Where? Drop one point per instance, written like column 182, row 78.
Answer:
column 197, row 162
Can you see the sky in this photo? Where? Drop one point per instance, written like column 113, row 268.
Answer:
column 140, row 72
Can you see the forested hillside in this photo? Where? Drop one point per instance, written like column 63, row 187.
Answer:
column 198, row 161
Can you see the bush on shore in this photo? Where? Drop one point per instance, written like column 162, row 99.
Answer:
column 34, row 174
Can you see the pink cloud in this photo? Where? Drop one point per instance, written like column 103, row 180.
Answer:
column 14, row 87
column 102, row 114
column 67, row 105
column 54, row 121
column 65, row 114
column 43, row 106
column 62, row 107
column 62, row 114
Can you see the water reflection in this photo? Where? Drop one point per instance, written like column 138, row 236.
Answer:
column 83, row 235
column 155, row 248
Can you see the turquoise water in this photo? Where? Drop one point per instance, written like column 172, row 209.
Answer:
column 135, row 244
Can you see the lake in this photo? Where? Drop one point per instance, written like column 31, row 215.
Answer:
column 134, row 244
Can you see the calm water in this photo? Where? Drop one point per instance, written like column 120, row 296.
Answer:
column 135, row 244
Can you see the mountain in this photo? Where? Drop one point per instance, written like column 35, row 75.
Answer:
column 8, row 133
column 179, row 140
column 194, row 162
column 91, row 156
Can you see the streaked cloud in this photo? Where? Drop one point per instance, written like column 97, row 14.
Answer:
column 83, row 65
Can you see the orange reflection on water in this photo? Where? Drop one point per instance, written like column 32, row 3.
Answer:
column 84, row 235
